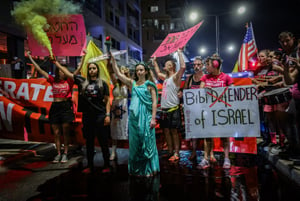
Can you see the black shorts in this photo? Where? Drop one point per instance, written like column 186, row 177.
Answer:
column 170, row 119
column 61, row 112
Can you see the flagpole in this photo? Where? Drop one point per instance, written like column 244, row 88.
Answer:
column 253, row 36
column 217, row 34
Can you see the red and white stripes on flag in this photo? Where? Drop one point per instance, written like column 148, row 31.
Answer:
column 248, row 49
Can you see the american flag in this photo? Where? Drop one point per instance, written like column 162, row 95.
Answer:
column 248, row 49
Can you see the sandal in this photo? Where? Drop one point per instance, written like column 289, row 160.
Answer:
column 175, row 157
column 226, row 164
column 212, row 160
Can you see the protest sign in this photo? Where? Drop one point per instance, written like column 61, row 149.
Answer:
column 66, row 34
column 221, row 112
column 173, row 41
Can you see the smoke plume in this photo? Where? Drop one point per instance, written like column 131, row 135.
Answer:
column 31, row 15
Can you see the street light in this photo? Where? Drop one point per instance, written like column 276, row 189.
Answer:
column 230, row 48
column 193, row 16
column 241, row 10
column 202, row 50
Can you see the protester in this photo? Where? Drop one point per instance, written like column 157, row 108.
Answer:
column 264, row 69
column 291, row 66
column 143, row 155
column 95, row 107
column 119, row 111
column 171, row 117
column 61, row 113
column 193, row 82
column 215, row 78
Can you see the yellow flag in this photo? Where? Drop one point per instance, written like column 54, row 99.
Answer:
column 93, row 51
column 236, row 67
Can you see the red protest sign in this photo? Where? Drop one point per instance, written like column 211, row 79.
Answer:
column 173, row 41
column 66, row 34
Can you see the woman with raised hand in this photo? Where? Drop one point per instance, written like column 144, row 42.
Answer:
column 61, row 113
column 119, row 112
column 95, row 107
column 143, row 155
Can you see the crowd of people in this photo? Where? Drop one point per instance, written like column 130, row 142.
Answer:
column 132, row 115
column 276, row 77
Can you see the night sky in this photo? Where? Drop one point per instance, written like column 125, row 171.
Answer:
column 268, row 18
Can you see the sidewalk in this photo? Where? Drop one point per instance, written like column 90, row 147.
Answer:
column 14, row 151
column 282, row 164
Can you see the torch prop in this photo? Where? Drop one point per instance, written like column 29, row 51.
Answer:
column 107, row 43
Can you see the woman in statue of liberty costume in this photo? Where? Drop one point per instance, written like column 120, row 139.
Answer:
column 143, row 155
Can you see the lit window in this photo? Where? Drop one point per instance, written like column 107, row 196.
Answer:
column 156, row 23
column 172, row 26
column 153, row 9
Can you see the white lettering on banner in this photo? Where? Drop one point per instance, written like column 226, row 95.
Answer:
column 37, row 88
column 24, row 91
column 48, row 94
column 6, row 117
column 232, row 95
column 10, row 87
column 221, row 112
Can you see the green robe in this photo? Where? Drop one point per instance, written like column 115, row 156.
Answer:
column 143, row 156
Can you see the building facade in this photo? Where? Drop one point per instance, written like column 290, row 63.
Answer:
column 159, row 18
column 120, row 19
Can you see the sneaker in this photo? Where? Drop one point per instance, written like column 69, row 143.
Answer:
column 276, row 150
column 57, row 159
column 203, row 164
column 64, row 158
column 226, row 164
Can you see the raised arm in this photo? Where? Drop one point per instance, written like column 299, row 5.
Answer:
column 157, row 70
column 64, row 70
column 121, row 76
column 178, row 75
column 37, row 67
column 77, row 71
column 111, row 72
column 290, row 77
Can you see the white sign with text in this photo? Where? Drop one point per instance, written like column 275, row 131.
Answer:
column 221, row 112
